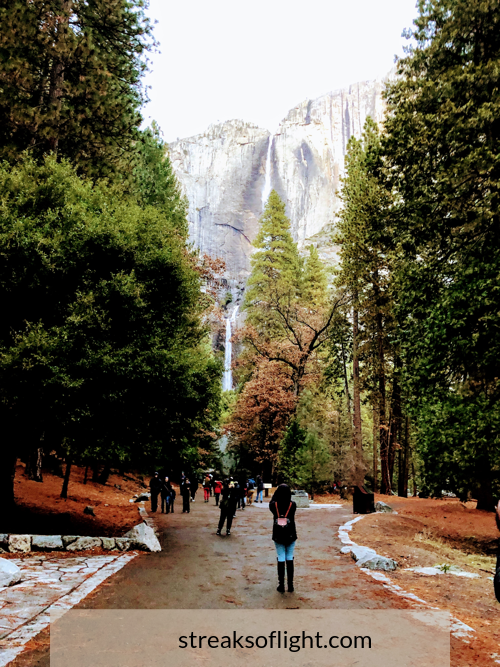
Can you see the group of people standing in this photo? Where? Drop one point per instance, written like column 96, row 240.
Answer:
column 162, row 487
column 230, row 495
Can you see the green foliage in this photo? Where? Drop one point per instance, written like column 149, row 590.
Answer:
column 275, row 264
column 154, row 181
column 101, row 343
column 291, row 447
column 443, row 161
column 70, row 79
column 314, row 289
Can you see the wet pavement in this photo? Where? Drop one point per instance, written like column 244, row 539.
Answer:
column 197, row 569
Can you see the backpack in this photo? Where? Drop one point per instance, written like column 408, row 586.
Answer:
column 282, row 521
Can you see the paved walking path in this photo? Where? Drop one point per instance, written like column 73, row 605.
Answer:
column 198, row 570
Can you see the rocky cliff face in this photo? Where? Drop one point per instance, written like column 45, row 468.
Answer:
column 223, row 173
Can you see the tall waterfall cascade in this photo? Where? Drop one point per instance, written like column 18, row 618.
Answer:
column 266, row 190
column 227, row 378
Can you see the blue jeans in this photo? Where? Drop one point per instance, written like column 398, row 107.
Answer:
column 259, row 496
column 284, row 551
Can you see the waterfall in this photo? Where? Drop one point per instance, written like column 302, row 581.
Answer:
column 267, row 183
column 227, row 379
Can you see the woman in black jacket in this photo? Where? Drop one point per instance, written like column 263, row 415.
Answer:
column 284, row 534
column 227, row 507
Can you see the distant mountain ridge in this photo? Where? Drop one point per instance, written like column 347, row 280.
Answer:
column 223, row 173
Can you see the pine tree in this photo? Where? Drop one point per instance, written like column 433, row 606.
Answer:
column 70, row 73
column 443, row 159
column 275, row 264
column 314, row 281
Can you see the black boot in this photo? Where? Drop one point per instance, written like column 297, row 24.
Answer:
column 281, row 576
column 289, row 575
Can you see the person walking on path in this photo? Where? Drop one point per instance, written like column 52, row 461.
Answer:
column 260, row 489
column 206, row 488
column 166, row 492
column 194, row 488
column 243, row 493
column 186, row 494
column 154, row 488
column 217, row 490
column 284, row 534
column 227, row 508
column 173, row 494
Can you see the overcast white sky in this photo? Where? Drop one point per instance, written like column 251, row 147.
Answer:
column 224, row 59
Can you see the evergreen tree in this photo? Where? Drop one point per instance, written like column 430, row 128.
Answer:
column 70, row 80
column 275, row 264
column 314, row 289
column 443, row 150
column 102, row 348
column 154, row 182
column 364, row 234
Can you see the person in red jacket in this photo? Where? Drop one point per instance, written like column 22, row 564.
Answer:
column 217, row 490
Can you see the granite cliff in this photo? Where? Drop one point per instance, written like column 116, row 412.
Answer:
column 228, row 171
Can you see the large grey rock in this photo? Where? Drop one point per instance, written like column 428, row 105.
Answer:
column 369, row 558
column 122, row 543
column 143, row 537
column 84, row 543
column 20, row 543
column 223, row 173
column 9, row 573
column 382, row 507
column 47, row 542
column 68, row 539
column 301, row 498
column 379, row 563
column 89, row 510
column 108, row 543
column 142, row 496
column 4, row 540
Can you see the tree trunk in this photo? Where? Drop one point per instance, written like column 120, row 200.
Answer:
column 375, row 449
column 67, row 473
column 484, row 492
column 358, row 443
column 106, row 471
column 385, row 486
column 414, row 479
column 346, row 382
column 403, row 463
column 7, row 474
column 34, row 465
column 57, row 73
column 395, row 426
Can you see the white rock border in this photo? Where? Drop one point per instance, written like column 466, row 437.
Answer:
column 458, row 628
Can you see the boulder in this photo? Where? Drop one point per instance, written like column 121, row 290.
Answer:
column 300, row 498
column 122, row 543
column 383, row 507
column 361, row 554
column 369, row 558
column 108, row 543
column 20, row 543
column 83, row 543
column 9, row 573
column 4, row 540
column 143, row 537
column 68, row 539
column 89, row 510
column 377, row 562
column 47, row 542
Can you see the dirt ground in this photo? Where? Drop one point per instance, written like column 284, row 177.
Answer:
column 42, row 511
column 429, row 532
